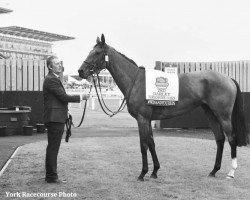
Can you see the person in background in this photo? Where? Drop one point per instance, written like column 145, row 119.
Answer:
column 55, row 115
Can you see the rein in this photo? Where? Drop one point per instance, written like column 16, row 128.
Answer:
column 95, row 68
column 69, row 121
column 84, row 110
column 102, row 102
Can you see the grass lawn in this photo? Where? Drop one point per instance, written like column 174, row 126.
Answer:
column 93, row 120
column 107, row 168
column 10, row 143
column 102, row 161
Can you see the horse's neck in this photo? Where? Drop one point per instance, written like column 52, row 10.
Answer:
column 122, row 70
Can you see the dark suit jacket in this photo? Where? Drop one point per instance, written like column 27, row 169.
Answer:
column 56, row 100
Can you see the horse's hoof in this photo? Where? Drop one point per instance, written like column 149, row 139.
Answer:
column 229, row 177
column 154, row 176
column 140, row 179
column 211, row 175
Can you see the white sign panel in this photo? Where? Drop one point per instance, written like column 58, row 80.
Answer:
column 162, row 88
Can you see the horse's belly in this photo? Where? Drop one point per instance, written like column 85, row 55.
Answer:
column 167, row 112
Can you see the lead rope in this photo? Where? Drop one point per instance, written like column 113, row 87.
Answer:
column 103, row 102
column 100, row 99
column 122, row 106
column 69, row 121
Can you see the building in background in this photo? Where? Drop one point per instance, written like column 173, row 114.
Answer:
column 24, row 43
column 23, row 66
column 4, row 11
column 106, row 80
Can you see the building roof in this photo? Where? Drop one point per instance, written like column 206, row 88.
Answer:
column 33, row 34
column 4, row 10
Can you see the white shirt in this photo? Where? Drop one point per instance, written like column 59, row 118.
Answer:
column 56, row 75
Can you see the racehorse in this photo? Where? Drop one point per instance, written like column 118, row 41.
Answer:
column 218, row 95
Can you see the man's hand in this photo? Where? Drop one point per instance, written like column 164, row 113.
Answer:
column 85, row 96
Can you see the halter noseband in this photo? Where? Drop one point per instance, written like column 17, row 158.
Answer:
column 94, row 66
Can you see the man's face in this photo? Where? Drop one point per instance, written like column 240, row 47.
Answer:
column 56, row 66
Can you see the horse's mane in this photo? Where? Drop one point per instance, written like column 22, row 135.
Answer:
column 126, row 58
column 120, row 54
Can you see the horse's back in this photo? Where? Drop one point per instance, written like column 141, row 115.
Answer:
column 209, row 84
column 205, row 87
column 216, row 90
column 196, row 88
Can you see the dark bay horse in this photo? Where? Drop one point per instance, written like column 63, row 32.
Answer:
column 218, row 95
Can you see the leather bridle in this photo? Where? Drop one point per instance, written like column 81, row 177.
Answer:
column 96, row 68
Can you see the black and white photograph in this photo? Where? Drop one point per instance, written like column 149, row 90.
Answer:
column 125, row 100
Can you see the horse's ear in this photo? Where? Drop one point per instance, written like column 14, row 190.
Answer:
column 103, row 39
column 98, row 40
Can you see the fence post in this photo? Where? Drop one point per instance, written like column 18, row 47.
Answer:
column 30, row 75
column 19, row 74
column 25, row 74
column 2, row 75
column 158, row 124
column 92, row 103
column 120, row 102
column 13, row 70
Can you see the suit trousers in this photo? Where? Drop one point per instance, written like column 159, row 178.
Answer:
column 54, row 131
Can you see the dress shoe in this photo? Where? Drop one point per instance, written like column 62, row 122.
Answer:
column 58, row 181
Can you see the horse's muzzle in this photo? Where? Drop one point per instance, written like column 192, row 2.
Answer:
column 81, row 74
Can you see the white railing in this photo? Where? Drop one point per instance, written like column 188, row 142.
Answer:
column 105, row 94
column 115, row 97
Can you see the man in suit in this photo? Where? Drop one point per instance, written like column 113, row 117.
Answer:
column 55, row 115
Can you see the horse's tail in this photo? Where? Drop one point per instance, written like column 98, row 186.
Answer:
column 238, row 119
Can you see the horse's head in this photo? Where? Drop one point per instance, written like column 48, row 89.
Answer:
column 96, row 60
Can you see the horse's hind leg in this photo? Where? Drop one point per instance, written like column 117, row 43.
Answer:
column 227, row 127
column 219, row 137
column 151, row 145
column 220, row 140
column 234, row 159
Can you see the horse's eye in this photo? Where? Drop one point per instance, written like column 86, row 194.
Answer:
column 97, row 52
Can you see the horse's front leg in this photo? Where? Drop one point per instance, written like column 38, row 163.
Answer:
column 153, row 152
column 143, row 125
